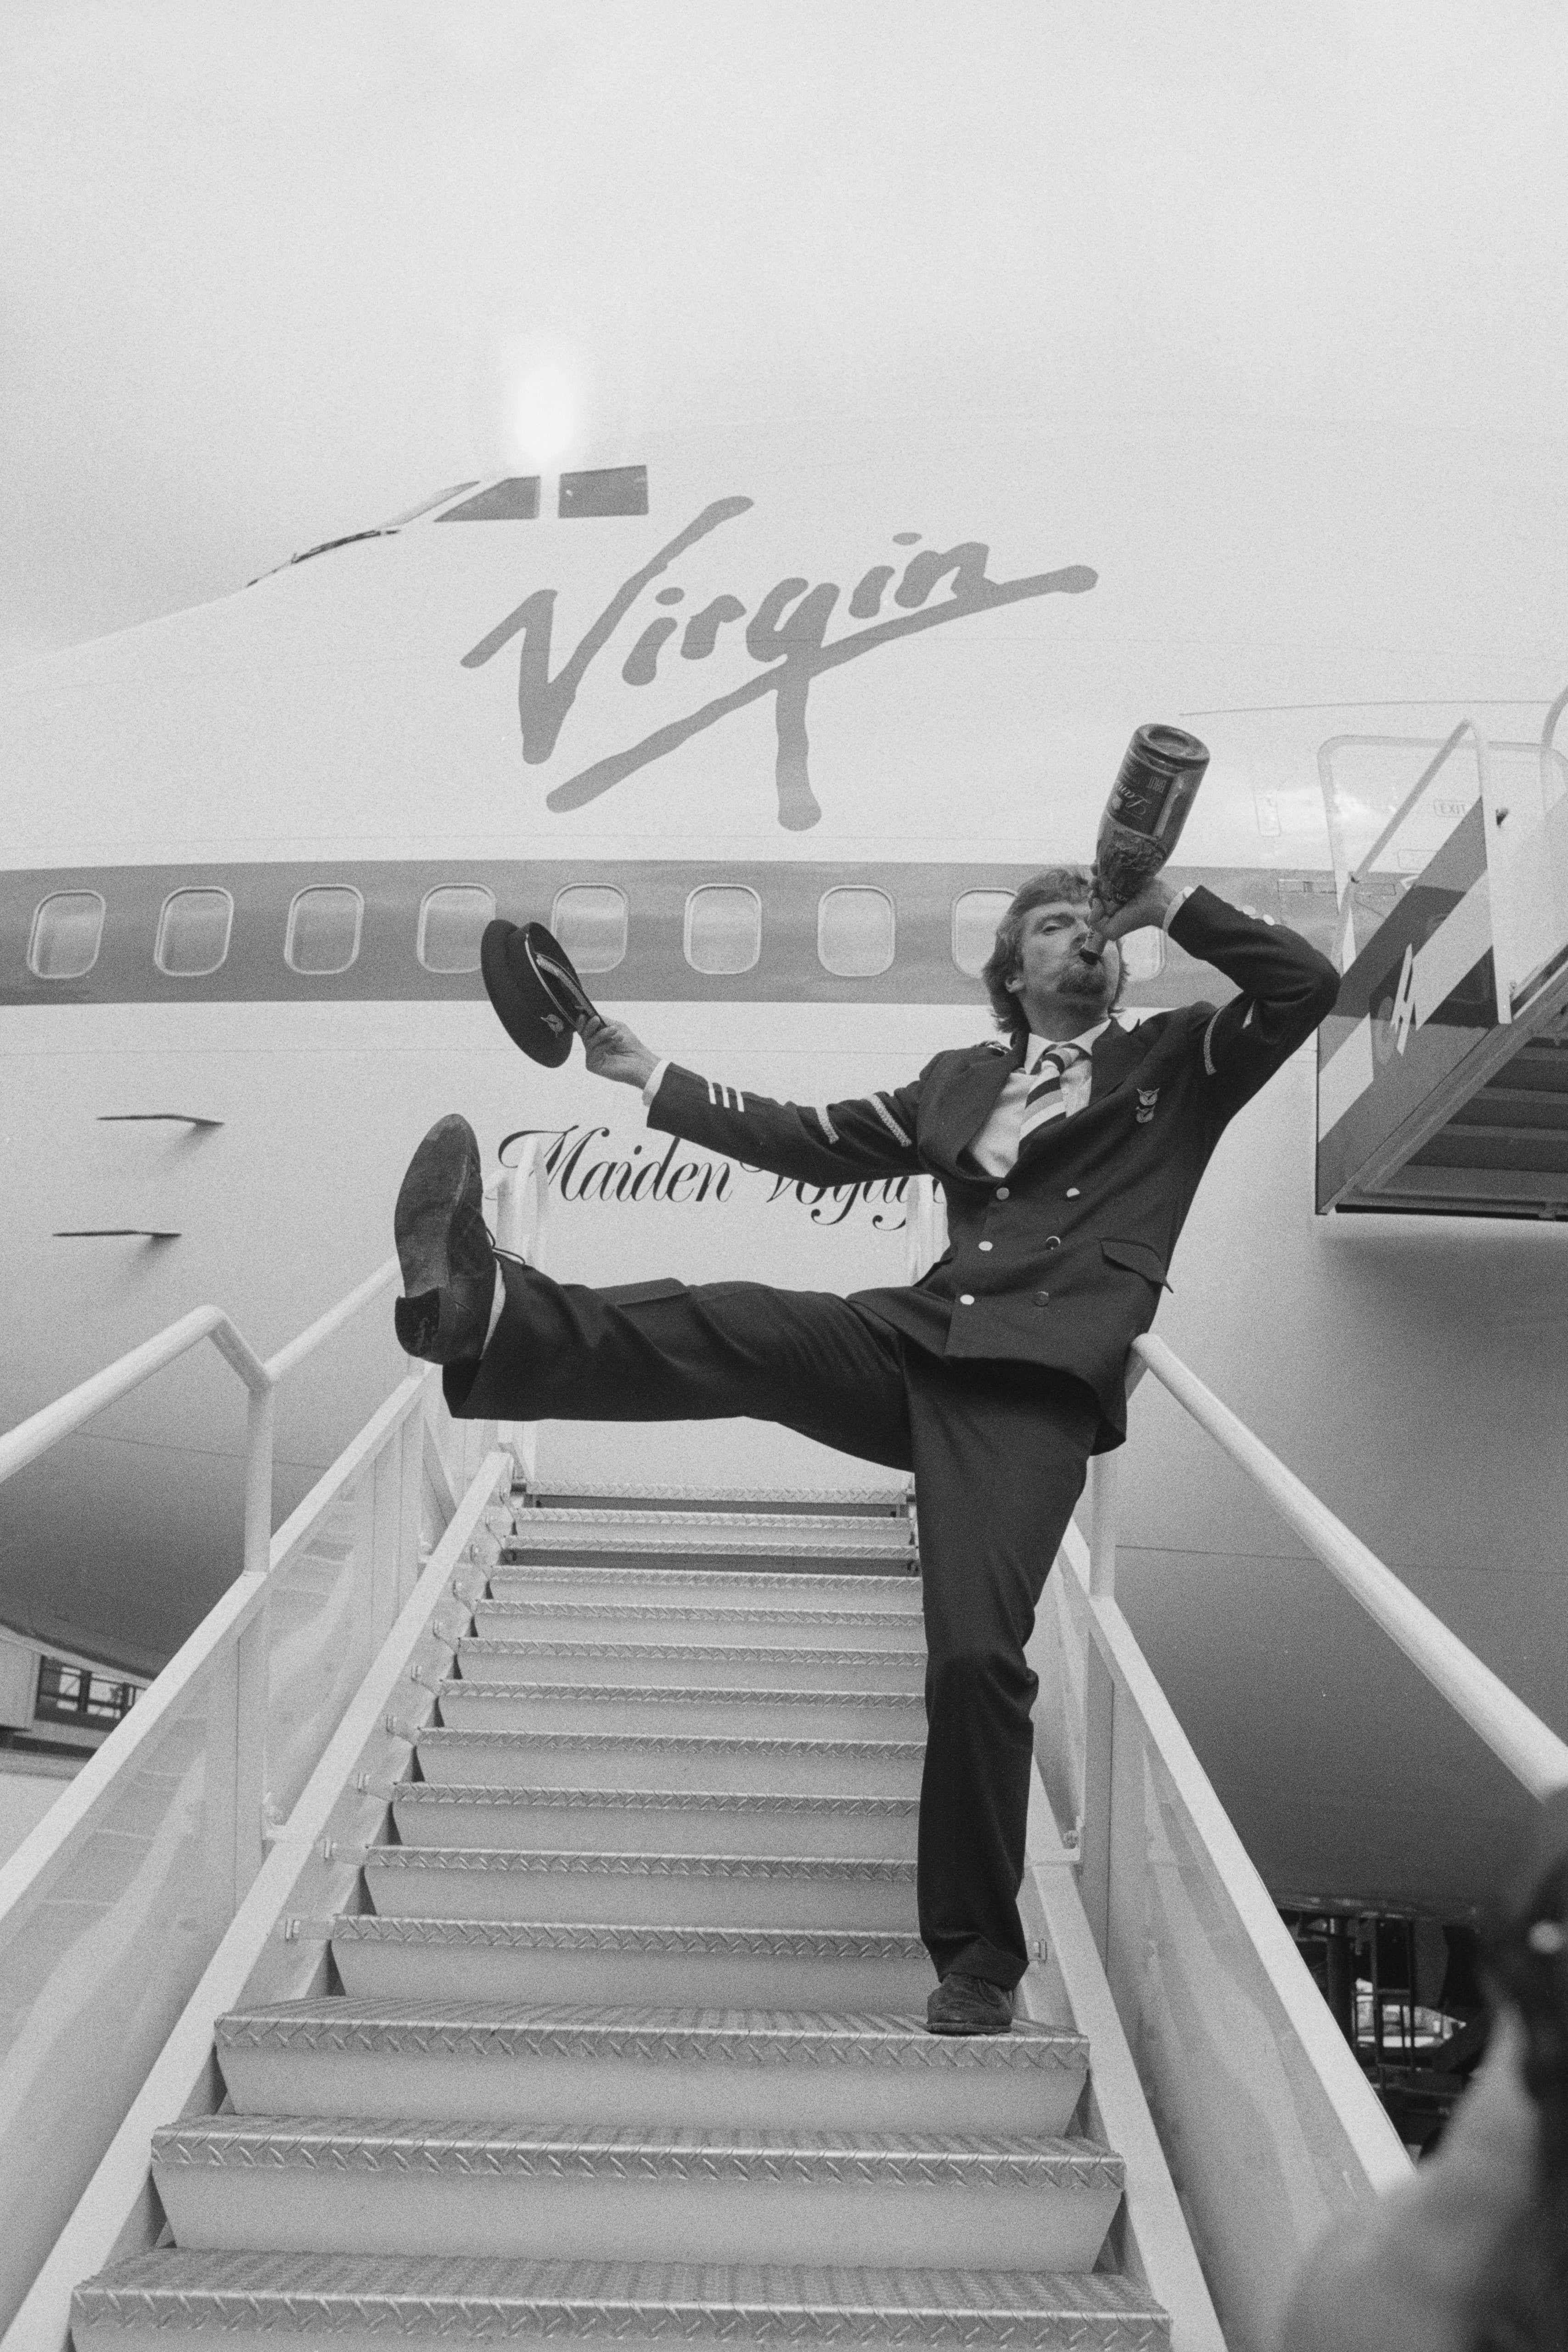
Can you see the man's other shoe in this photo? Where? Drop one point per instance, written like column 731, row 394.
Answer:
column 963, row 2005
column 448, row 1266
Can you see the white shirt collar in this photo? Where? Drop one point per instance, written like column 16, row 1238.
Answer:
column 1085, row 1038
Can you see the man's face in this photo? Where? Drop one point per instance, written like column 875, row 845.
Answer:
column 1052, row 968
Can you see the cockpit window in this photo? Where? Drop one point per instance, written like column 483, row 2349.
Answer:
column 975, row 918
column 514, row 500
column 612, row 490
column 854, row 932
column 451, row 923
column 68, row 929
column 411, row 514
column 194, row 933
column 323, row 933
column 724, row 929
column 590, row 921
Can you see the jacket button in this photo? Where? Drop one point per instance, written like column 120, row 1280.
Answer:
column 1001, row 1192
column 985, row 1245
column 967, row 1299
column 1072, row 1191
column 1053, row 1241
column 1042, row 1295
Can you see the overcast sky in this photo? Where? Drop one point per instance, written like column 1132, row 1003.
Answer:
column 273, row 271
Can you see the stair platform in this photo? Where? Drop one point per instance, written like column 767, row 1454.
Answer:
column 635, row 1761
column 254, row 2302
column 323, row 2185
column 715, row 1626
column 680, row 1821
column 708, row 1588
column 623, row 1708
column 565, row 1960
column 728, row 1666
column 759, row 2070
column 729, row 1890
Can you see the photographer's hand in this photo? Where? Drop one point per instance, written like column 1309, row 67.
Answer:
column 1405, row 2274
column 613, row 1052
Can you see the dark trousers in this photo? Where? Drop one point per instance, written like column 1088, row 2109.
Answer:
column 998, row 1452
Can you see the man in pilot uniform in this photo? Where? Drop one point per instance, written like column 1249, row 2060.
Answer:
column 1068, row 1151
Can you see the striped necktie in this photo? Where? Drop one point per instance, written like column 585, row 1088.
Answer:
column 1045, row 1101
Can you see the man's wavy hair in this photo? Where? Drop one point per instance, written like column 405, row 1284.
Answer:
column 1071, row 883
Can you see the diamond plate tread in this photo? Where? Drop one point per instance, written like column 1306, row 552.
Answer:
column 675, row 1695
column 650, row 1613
column 330, row 2144
column 666, row 1746
column 871, row 1532
column 517, row 1575
column 889, row 1499
column 425, row 1794
column 499, row 1645
column 569, row 1935
column 484, row 2298
column 506, row 1860
column 652, row 2036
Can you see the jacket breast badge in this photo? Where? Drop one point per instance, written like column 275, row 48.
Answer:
column 1147, row 1097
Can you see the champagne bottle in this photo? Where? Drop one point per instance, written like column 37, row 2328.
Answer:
column 1155, row 786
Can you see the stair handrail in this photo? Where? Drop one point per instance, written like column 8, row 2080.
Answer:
column 1530, row 1748
column 35, row 1436
column 1467, row 726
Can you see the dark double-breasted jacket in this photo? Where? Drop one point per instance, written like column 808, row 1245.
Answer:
column 1062, row 1261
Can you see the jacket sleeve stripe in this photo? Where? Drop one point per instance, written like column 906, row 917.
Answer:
column 1207, row 1056
column 888, row 1121
column 826, row 1124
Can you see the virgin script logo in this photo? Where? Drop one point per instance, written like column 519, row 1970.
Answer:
column 787, row 633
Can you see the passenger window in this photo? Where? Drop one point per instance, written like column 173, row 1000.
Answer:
column 975, row 918
column 590, row 921
column 67, row 931
column 854, row 932
column 450, row 924
column 724, row 929
column 1142, row 953
column 194, row 933
column 324, row 929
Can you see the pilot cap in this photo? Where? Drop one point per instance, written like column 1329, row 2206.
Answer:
column 539, row 998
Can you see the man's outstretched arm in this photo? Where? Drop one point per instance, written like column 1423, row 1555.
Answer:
column 872, row 1135
column 1287, row 988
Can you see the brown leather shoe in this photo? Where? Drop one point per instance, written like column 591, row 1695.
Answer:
column 448, row 1266
column 965, row 2004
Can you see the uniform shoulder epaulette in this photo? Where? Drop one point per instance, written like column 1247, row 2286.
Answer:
column 995, row 1046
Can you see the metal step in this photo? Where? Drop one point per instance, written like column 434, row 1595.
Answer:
column 409, row 1881
column 255, row 2303
column 578, row 1582
column 885, row 1974
column 798, row 1629
column 689, row 1708
column 591, row 1495
column 335, row 2186
column 704, row 1664
column 654, row 1820
column 734, row 2070
column 794, row 1534
column 563, row 1759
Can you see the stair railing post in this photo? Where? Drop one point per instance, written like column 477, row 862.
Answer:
column 253, row 1649
column 1099, row 1710
column 519, row 1229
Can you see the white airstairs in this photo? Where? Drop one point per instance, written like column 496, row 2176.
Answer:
column 498, row 1924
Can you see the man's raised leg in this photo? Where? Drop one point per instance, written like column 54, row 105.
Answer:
column 640, row 1351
